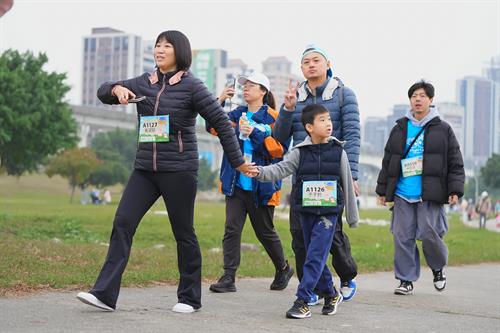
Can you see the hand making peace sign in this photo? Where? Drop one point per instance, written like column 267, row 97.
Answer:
column 291, row 95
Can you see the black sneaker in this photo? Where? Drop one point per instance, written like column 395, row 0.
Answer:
column 332, row 304
column 405, row 288
column 282, row 277
column 224, row 285
column 439, row 280
column 299, row 310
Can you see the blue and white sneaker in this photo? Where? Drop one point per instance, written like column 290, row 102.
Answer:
column 314, row 300
column 348, row 289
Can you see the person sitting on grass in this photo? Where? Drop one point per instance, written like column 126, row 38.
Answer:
column 321, row 167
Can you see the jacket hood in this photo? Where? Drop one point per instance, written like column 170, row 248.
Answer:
column 325, row 90
column 433, row 113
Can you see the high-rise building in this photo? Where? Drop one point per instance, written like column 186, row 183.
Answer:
column 454, row 115
column 398, row 111
column 492, row 70
column 480, row 98
column 279, row 72
column 109, row 55
column 375, row 135
column 205, row 65
column 148, row 58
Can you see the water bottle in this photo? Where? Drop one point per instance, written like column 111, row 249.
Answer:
column 243, row 121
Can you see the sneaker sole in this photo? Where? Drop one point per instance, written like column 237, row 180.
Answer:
column 400, row 292
column 442, row 289
column 222, row 290
column 83, row 299
column 347, row 299
column 305, row 315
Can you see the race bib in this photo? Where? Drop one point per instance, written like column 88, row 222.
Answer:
column 154, row 129
column 319, row 193
column 412, row 166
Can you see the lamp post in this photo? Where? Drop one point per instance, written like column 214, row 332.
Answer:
column 476, row 183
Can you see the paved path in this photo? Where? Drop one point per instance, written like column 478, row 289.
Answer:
column 471, row 303
column 491, row 224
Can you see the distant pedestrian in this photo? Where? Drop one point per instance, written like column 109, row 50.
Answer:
column 422, row 170
column 107, row 197
column 483, row 208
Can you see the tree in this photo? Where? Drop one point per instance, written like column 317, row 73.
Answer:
column 35, row 121
column 75, row 165
column 490, row 172
column 109, row 173
column 116, row 145
column 117, row 150
column 206, row 177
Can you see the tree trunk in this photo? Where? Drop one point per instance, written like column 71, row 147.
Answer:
column 72, row 194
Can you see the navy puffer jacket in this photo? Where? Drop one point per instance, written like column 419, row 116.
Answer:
column 345, row 119
column 182, row 100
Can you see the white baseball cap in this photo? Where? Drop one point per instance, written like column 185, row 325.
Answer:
column 255, row 77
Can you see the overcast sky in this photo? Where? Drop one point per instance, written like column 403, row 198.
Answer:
column 378, row 48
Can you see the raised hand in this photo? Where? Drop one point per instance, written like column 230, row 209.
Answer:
column 228, row 92
column 291, row 95
column 122, row 93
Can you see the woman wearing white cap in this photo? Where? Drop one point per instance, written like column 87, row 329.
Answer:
column 253, row 125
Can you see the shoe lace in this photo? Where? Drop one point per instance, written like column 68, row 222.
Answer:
column 226, row 277
column 438, row 275
column 298, row 305
column 405, row 284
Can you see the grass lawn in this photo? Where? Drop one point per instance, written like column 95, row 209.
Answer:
column 46, row 242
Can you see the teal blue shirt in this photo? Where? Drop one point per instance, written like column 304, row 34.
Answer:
column 410, row 188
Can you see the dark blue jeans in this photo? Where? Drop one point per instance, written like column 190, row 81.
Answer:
column 318, row 235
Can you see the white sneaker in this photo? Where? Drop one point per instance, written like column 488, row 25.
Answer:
column 183, row 308
column 90, row 299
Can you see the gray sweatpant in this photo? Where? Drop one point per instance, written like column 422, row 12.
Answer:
column 425, row 221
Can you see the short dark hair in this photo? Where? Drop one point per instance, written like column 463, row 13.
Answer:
column 182, row 47
column 422, row 84
column 310, row 112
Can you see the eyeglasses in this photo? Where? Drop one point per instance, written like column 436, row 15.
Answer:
column 249, row 84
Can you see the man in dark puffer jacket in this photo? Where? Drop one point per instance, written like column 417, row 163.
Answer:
column 422, row 169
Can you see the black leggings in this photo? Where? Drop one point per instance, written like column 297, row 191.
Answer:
column 178, row 190
column 261, row 217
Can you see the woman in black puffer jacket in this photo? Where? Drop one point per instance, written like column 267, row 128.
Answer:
column 166, row 165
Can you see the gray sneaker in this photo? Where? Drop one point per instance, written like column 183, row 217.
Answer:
column 405, row 288
column 439, row 280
